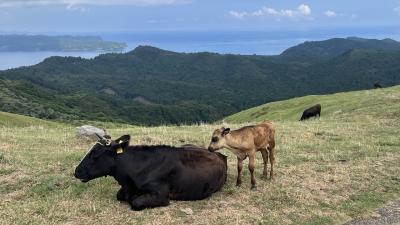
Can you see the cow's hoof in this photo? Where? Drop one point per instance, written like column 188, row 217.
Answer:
column 238, row 184
column 253, row 188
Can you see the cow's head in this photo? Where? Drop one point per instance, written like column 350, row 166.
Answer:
column 218, row 139
column 100, row 160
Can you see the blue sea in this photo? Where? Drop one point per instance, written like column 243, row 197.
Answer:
column 260, row 42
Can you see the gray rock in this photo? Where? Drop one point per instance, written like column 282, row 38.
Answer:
column 89, row 132
column 187, row 211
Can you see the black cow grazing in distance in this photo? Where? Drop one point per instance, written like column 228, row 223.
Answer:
column 311, row 112
column 377, row 85
column 152, row 175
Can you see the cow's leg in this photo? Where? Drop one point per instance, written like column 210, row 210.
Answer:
column 251, row 169
column 126, row 194
column 239, row 169
column 122, row 194
column 272, row 161
column 264, row 153
column 157, row 196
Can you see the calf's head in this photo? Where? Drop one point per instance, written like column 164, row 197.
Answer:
column 100, row 160
column 218, row 139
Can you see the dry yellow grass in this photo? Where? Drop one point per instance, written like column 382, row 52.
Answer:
column 327, row 172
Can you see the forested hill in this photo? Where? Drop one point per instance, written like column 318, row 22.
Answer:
column 153, row 86
column 34, row 43
column 322, row 50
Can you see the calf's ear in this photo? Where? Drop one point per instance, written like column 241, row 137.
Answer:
column 226, row 131
column 121, row 142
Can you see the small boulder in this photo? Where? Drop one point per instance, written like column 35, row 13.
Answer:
column 89, row 132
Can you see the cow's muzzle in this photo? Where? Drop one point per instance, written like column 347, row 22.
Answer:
column 77, row 175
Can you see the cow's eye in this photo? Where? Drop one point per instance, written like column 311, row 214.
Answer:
column 214, row 139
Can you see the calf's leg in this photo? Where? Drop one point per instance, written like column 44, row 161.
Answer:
column 251, row 169
column 264, row 153
column 240, row 159
column 272, row 161
column 239, row 171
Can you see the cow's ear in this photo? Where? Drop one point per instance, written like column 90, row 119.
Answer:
column 106, row 136
column 121, row 142
column 226, row 131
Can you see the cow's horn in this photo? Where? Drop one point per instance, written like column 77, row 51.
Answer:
column 100, row 137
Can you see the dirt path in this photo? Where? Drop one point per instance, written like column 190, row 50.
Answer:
column 383, row 216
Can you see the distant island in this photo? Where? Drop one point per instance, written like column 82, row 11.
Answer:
column 34, row 43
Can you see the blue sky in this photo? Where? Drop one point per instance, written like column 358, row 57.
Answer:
column 64, row 16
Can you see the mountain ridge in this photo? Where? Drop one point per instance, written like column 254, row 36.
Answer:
column 322, row 50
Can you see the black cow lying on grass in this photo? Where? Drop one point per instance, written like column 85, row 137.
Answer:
column 313, row 111
column 152, row 175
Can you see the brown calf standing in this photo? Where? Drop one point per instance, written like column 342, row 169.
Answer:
column 246, row 141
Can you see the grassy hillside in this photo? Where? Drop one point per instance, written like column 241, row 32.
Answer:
column 334, row 106
column 14, row 120
column 328, row 171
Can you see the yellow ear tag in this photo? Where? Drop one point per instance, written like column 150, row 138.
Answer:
column 120, row 150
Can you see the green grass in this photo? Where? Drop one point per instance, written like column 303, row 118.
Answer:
column 337, row 106
column 328, row 170
column 14, row 120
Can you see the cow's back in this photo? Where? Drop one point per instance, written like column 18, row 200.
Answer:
column 202, row 173
column 314, row 109
column 190, row 174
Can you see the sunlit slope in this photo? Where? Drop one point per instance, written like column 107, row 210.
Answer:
column 14, row 120
column 379, row 103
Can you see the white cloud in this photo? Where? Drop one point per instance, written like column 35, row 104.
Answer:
column 287, row 13
column 69, row 3
column 258, row 13
column 270, row 11
column 302, row 11
column 330, row 13
column 238, row 15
